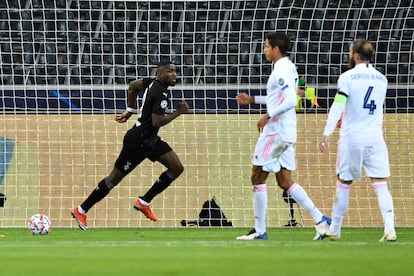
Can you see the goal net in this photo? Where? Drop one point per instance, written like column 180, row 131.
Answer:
column 66, row 65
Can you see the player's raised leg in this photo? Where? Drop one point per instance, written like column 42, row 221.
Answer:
column 101, row 191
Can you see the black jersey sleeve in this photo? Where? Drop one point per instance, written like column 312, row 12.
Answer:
column 147, row 81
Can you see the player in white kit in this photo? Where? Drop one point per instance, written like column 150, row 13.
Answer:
column 358, row 106
column 275, row 151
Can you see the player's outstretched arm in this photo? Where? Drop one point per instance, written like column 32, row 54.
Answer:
column 244, row 99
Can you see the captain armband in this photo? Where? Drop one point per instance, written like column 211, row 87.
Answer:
column 340, row 98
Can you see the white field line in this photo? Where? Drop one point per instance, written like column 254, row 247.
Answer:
column 198, row 243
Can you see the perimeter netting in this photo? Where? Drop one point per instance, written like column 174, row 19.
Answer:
column 65, row 67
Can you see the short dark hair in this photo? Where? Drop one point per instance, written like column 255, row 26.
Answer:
column 164, row 63
column 280, row 40
column 364, row 48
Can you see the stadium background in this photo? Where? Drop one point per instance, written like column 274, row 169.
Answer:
column 65, row 67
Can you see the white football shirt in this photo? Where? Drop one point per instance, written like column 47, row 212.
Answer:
column 362, row 118
column 281, row 100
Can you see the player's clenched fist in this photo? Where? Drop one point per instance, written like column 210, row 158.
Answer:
column 243, row 99
column 183, row 107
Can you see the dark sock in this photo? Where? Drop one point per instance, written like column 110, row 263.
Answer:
column 100, row 191
column 162, row 183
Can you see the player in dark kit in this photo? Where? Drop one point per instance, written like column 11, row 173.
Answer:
column 142, row 141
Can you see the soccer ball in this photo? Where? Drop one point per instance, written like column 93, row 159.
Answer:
column 40, row 224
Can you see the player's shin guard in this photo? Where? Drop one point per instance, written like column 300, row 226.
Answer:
column 100, row 191
column 162, row 183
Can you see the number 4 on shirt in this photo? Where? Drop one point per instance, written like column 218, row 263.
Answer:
column 369, row 104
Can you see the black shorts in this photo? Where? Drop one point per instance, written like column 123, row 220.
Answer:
column 136, row 149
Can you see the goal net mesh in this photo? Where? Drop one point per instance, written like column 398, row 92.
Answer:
column 66, row 65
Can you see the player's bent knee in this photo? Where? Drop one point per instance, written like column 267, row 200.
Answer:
column 284, row 185
column 173, row 174
column 178, row 170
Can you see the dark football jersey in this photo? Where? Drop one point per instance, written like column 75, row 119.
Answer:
column 154, row 100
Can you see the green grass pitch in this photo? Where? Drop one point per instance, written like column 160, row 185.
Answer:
column 203, row 251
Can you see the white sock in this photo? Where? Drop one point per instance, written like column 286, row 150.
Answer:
column 302, row 198
column 260, row 207
column 339, row 207
column 143, row 202
column 80, row 210
column 386, row 205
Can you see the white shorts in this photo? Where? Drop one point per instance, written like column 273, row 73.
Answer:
column 272, row 154
column 352, row 158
